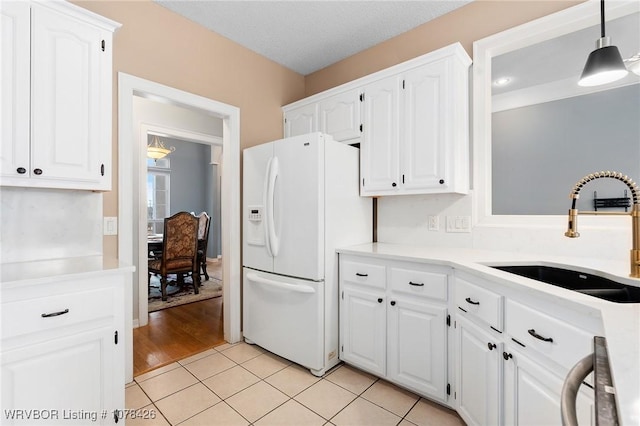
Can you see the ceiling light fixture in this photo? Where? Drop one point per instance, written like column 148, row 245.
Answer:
column 604, row 65
column 502, row 81
column 157, row 150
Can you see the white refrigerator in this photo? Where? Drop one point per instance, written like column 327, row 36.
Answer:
column 300, row 202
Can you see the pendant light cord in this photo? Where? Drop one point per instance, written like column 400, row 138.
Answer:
column 602, row 18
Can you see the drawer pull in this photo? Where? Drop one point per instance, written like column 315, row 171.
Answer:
column 539, row 337
column 358, row 274
column 416, row 284
column 506, row 356
column 55, row 314
column 379, row 299
column 468, row 299
column 491, row 346
column 393, row 303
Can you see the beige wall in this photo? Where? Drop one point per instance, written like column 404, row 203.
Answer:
column 467, row 24
column 159, row 45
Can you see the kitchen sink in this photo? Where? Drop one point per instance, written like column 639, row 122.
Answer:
column 592, row 285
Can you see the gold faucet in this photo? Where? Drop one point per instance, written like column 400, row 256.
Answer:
column 572, row 231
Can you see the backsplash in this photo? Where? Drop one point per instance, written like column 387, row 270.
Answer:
column 38, row 224
column 404, row 220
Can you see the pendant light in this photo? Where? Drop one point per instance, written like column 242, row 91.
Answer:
column 604, row 64
column 157, row 150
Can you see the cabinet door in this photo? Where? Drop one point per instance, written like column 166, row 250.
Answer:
column 417, row 346
column 532, row 394
column 340, row 116
column 380, row 137
column 424, row 131
column 63, row 380
column 14, row 88
column 363, row 330
column 301, row 121
column 66, row 96
column 478, row 374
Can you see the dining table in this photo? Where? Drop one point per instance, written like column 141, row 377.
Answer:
column 154, row 245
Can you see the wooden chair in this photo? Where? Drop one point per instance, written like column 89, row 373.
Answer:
column 204, row 222
column 179, row 251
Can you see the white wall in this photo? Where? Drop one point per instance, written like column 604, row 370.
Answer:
column 37, row 224
column 403, row 220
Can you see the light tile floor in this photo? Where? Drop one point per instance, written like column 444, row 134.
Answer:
column 245, row 385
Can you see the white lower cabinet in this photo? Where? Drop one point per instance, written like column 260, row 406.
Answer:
column 507, row 375
column 364, row 337
column 479, row 363
column 416, row 346
column 62, row 352
column 393, row 322
column 532, row 393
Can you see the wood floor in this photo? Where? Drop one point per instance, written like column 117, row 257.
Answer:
column 176, row 333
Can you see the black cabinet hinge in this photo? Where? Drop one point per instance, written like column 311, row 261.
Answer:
column 361, row 128
column 115, row 416
column 448, row 320
column 403, row 179
column 362, row 181
column 101, row 169
column 402, row 84
column 342, row 348
column 103, row 45
column 448, row 389
column 115, row 337
column 361, row 97
column 343, row 295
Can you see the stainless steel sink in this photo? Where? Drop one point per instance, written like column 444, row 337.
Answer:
column 592, row 285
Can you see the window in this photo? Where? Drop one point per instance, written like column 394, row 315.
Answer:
column 158, row 194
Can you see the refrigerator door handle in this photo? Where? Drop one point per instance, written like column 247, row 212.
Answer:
column 265, row 202
column 272, row 238
column 283, row 286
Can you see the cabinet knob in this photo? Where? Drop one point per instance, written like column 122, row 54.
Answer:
column 37, row 171
column 393, row 303
column 491, row 346
column 506, row 356
column 441, row 181
column 394, row 184
column 379, row 299
column 21, row 170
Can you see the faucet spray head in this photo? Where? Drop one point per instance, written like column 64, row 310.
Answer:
column 572, row 229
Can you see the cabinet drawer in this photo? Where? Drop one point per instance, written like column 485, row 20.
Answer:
column 556, row 339
column 26, row 316
column 430, row 284
column 479, row 302
column 360, row 272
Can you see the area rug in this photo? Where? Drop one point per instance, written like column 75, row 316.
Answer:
column 180, row 295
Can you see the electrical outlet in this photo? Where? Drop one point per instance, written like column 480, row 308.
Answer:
column 458, row 223
column 110, row 226
column 434, row 223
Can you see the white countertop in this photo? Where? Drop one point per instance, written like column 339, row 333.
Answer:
column 621, row 321
column 42, row 271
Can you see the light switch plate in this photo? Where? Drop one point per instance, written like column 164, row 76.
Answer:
column 110, row 226
column 458, row 223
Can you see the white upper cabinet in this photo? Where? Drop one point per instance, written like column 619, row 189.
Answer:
column 301, row 121
column 56, row 125
column 379, row 161
column 340, row 116
column 412, row 124
column 15, row 86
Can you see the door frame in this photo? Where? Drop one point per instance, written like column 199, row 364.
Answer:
column 132, row 174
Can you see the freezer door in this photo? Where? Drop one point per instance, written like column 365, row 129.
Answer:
column 256, row 163
column 285, row 316
column 298, row 207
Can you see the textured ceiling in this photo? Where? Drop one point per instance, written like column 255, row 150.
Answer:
column 306, row 35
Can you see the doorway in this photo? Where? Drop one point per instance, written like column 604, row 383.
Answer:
column 132, row 174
